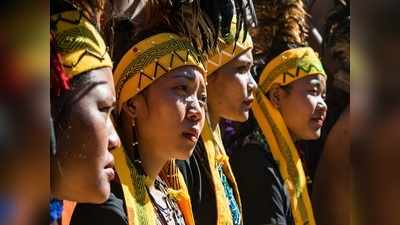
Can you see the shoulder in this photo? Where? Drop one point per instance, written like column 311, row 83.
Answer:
column 110, row 212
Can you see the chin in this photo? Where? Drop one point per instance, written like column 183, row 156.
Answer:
column 184, row 155
column 98, row 196
column 102, row 193
column 314, row 135
column 242, row 117
column 184, row 152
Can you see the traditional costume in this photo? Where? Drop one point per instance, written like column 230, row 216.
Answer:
column 138, row 68
column 289, row 66
column 172, row 44
column 213, row 188
column 76, row 47
column 276, row 191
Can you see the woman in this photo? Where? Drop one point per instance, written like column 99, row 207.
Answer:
column 208, row 173
column 290, row 107
column 161, row 99
column 265, row 197
column 82, row 98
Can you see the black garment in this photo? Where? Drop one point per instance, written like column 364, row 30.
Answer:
column 201, row 189
column 111, row 212
column 265, row 200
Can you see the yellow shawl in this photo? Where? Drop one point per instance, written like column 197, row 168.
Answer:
column 138, row 68
column 216, row 155
column 214, row 149
column 287, row 67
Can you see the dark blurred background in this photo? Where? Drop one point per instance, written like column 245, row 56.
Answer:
column 24, row 112
column 375, row 111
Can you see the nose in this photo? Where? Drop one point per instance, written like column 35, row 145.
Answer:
column 252, row 84
column 194, row 111
column 322, row 106
column 113, row 138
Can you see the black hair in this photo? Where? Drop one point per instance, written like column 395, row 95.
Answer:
column 222, row 12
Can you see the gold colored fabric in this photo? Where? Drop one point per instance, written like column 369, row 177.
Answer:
column 80, row 44
column 150, row 59
column 217, row 156
column 287, row 67
column 228, row 49
column 140, row 209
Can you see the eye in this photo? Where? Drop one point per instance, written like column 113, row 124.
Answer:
column 106, row 109
column 203, row 100
column 181, row 89
column 324, row 96
column 314, row 92
column 243, row 69
column 106, row 105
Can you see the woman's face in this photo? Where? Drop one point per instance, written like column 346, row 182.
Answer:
column 230, row 89
column 84, row 140
column 303, row 107
column 170, row 113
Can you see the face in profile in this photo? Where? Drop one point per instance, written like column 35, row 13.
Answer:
column 170, row 113
column 230, row 89
column 302, row 106
column 85, row 136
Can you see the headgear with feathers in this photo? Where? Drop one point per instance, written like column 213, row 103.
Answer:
column 281, row 26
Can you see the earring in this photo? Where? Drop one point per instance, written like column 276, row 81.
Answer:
column 134, row 130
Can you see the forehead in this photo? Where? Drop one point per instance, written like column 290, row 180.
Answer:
column 316, row 79
column 190, row 73
column 102, row 75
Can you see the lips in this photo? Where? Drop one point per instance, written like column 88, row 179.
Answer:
column 247, row 102
column 191, row 134
column 319, row 121
column 109, row 170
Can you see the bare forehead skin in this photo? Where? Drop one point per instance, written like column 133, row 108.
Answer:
column 187, row 72
column 316, row 80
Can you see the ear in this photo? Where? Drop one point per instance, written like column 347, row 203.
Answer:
column 275, row 95
column 129, row 108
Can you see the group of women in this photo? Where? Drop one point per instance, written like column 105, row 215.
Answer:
column 140, row 95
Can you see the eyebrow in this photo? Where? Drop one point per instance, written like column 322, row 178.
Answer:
column 318, row 83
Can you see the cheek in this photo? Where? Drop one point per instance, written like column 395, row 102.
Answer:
column 168, row 109
column 296, row 109
column 92, row 132
column 233, row 90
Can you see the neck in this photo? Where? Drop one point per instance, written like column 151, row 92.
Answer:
column 293, row 137
column 152, row 163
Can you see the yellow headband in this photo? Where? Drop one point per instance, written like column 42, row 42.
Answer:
column 228, row 50
column 287, row 67
column 290, row 66
column 150, row 59
column 81, row 46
